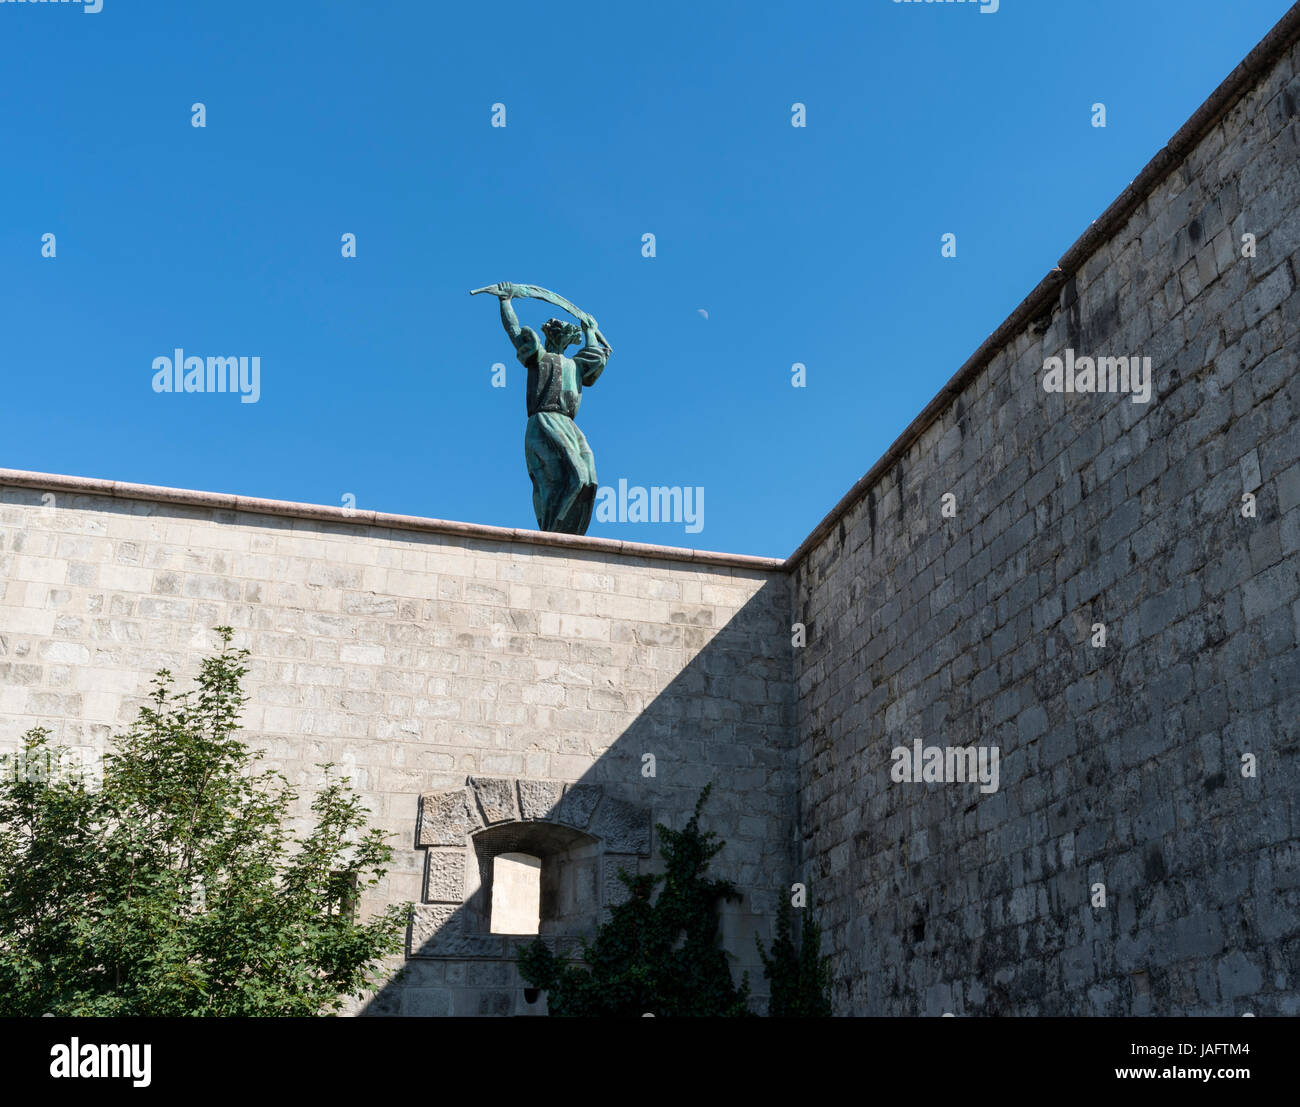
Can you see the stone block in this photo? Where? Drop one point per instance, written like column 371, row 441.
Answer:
column 429, row 922
column 538, row 799
column 486, row 974
column 1239, row 976
column 426, row 1002
column 624, row 827
column 614, row 891
column 445, row 876
column 496, row 798
column 1267, row 295
column 438, row 930
column 447, row 818
column 1288, row 489
column 495, row 1003
column 577, row 804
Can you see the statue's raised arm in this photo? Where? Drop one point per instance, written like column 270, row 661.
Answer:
column 506, row 290
column 560, row 463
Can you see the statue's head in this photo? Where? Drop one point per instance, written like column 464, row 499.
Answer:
column 560, row 335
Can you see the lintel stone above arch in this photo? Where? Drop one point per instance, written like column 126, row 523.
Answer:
column 449, row 817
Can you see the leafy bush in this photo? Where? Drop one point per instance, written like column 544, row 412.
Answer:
column 176, row 887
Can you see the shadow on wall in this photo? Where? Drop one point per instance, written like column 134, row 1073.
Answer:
column 726, row 718
column 715, row 722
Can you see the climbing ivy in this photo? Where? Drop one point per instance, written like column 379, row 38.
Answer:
column 655, row 956
column 800, row 977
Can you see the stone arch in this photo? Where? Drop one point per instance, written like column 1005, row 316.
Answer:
column 569, row 900
column 588, row 835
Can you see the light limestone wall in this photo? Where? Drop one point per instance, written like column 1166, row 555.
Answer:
column 416, row 660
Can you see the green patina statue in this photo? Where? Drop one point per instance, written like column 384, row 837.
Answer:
column 560, row 463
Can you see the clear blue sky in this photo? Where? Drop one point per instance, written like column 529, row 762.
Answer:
column 818, row 245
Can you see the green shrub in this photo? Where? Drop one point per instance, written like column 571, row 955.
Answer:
column 656, row 956
column 175, row 887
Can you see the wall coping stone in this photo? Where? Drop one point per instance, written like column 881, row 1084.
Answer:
column 224, row 501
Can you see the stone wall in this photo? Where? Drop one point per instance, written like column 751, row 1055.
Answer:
column 418, row 659
column 1120, row 764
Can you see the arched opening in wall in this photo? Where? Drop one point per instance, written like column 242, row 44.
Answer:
column 516, row 893
column 540, row 877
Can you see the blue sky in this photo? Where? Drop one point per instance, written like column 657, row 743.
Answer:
column 818, row 245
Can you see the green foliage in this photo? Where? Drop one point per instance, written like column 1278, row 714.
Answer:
column 176, row 887
column 659, row 957
column 800, row 979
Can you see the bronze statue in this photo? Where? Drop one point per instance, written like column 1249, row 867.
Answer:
column 560, row 463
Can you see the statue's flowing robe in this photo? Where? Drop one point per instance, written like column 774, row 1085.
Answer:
column 560, row 463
